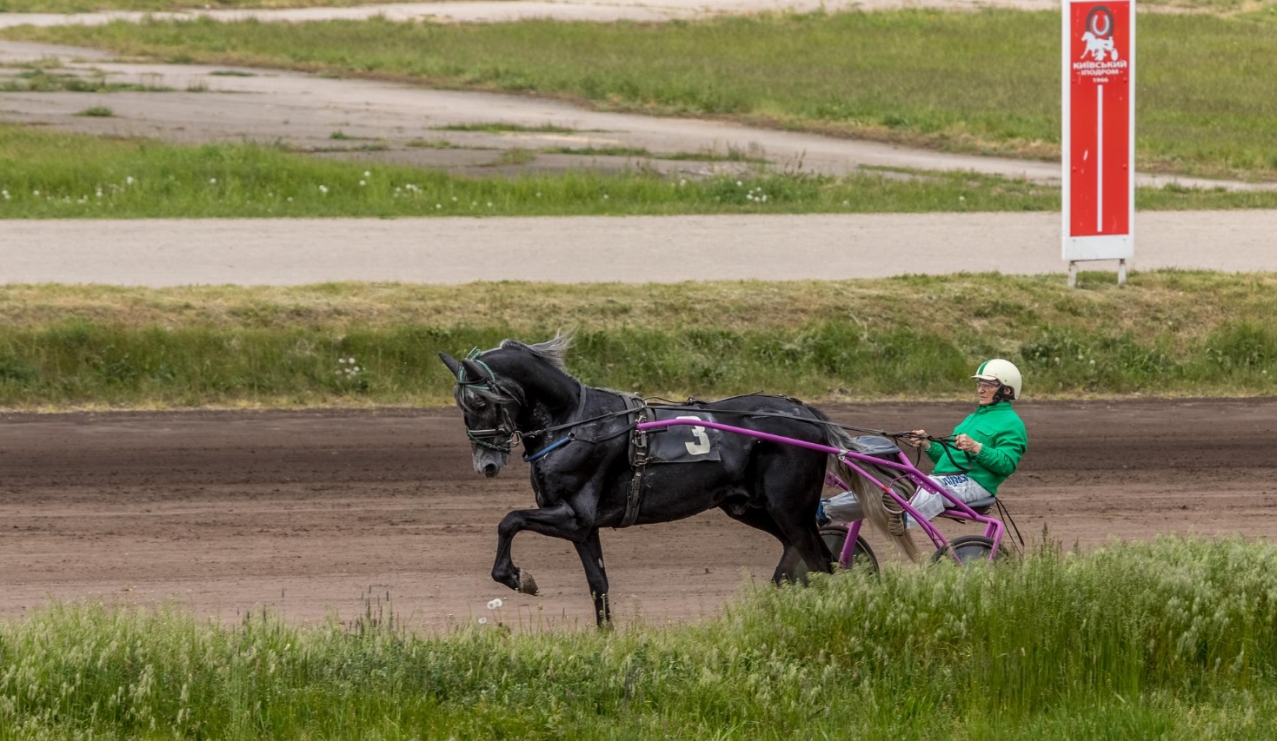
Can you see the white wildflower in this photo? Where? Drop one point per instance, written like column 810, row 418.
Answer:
column 128, row 180
column 212, row 181
column 483, row 621
column 362, row 183
column 35, row 192
column 367, row 174
column 323, row 189
column 495, row 604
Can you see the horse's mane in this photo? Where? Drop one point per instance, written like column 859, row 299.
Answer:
column 553, row 350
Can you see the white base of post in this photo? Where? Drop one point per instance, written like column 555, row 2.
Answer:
column 1121, row 272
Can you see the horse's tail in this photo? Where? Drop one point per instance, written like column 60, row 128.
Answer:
column 868, row 494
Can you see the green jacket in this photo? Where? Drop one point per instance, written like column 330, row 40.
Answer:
column 1000, row 430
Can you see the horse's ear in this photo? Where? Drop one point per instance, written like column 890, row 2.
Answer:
column 451, row 362
column 474, row 371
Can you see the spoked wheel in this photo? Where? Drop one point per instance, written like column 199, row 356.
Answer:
column 862, row 556
column 970, row 548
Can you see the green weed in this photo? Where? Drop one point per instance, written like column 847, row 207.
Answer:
column 50, row 175
column 1165, row 333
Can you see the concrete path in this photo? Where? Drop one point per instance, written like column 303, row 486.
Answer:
column 487, row 11
column 591, row 249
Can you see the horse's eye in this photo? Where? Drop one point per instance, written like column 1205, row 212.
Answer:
column 480, row 403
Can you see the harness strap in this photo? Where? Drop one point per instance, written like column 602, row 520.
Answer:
column 638, row 461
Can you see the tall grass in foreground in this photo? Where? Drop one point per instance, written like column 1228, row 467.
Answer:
column 1174, row 639
column 971, row 81
column 1165, row 333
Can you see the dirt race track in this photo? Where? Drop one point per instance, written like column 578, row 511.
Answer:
column 308, row 512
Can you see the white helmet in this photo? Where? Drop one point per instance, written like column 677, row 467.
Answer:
column 1002, row 371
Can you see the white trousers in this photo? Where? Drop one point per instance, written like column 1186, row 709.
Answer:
column 930, row 504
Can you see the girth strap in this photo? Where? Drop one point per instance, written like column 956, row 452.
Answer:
column 638, row 461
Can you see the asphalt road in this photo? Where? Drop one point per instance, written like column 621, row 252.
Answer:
column 164, row 252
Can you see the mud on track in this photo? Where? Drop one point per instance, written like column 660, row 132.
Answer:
column 308, row 512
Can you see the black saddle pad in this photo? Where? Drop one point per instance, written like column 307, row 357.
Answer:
column 684, row 443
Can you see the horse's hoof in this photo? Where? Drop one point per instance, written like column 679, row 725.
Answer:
column 527, row 584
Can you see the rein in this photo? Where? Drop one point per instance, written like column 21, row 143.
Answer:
column 513, row 436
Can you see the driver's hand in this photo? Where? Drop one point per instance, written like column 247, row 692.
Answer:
column 918, row 439
column 967, row 443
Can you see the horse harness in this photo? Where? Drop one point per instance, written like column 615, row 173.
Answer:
column 640, row 443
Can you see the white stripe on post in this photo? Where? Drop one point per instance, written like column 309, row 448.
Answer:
column 1099, row 158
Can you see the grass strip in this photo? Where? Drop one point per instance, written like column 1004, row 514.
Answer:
column 1166, row 333
column 52, row 175
column 1173, row 639
column 984, row 82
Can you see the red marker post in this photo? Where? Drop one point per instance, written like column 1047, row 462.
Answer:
column 1098, row 140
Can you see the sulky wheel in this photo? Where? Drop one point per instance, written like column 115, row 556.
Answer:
column 862, row 556
column 970, row 548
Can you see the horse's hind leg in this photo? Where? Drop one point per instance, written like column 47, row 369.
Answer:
column 761, row 520
column 791, row 503
column 591, row 552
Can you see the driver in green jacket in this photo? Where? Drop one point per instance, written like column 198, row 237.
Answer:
column 993, row 437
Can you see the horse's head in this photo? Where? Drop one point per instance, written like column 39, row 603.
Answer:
column 527, row 380
column 490, row 406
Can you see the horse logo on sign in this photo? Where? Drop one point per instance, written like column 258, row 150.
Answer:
column 1099, row 35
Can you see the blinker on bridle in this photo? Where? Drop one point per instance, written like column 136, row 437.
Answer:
column 507, row 431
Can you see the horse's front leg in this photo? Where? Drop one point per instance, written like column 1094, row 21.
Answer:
column 557, row 522
column 591, row 552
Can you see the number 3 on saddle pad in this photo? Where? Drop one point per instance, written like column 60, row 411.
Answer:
column 684, row 443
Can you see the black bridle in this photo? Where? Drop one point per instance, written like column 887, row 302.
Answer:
column 506, row 434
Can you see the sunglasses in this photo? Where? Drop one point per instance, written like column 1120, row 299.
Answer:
column 987, row 384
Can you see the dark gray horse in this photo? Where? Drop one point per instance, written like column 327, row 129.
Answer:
column 577, row 439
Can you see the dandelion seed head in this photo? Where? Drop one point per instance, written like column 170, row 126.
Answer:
column 362, row 183
column 367, row 174
column 495, row 604
column 483, row 621
column 212, row 181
